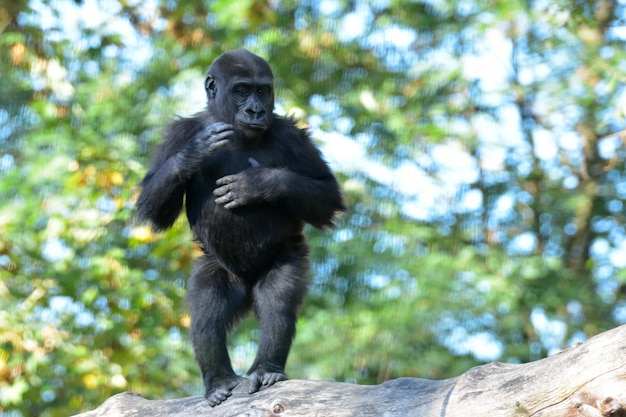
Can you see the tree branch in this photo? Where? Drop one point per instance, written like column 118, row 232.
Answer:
column 588, row 380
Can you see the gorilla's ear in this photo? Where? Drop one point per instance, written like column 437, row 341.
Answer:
column 209, row 86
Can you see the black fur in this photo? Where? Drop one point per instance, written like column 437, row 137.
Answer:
column 250, row 180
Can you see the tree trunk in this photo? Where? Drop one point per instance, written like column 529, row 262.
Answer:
column 587, row 380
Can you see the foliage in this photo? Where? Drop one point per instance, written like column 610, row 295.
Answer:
column 479, row 144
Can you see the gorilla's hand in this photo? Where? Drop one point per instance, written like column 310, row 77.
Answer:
column 203, row 144
column 250, row 186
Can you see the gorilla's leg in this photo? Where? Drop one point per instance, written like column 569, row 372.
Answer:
column 276, row 299
column 216, row 299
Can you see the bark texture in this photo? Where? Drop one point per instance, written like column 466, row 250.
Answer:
column 588, row 380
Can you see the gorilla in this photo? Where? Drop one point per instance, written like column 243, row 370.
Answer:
column 250, row 181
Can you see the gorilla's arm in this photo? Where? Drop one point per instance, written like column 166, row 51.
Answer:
column 314, row 200
column 161, row 198
column 185, row 147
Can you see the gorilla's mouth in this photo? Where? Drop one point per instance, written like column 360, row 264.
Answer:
column 253, row 126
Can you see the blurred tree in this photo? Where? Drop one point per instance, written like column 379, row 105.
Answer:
column 480, row 147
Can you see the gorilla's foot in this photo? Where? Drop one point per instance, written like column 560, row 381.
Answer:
column 261, row 377
column 220, row 388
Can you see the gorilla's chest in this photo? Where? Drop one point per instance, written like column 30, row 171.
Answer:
column 230, row 162
column 253, row 232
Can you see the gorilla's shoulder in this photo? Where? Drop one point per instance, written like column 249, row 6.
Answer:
column 197, row 120
column 287, row 128
column 186, row 126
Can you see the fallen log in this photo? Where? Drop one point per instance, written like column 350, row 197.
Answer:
column 588, row 380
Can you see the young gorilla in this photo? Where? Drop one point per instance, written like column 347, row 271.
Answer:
column 251, row 180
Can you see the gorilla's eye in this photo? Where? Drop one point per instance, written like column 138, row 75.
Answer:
column 242, row 90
